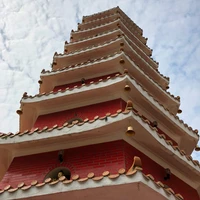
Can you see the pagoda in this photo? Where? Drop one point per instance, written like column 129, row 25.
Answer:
column 103, row 125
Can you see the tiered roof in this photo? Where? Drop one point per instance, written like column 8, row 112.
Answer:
column 110, row 46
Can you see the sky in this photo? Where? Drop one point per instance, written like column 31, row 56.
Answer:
column 32, row 30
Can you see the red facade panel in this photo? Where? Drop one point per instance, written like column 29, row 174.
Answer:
column 86, row 81
column 82, row 160
column 110, row 156
column 89, row 112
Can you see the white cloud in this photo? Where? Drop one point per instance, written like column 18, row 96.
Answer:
column 31, row 31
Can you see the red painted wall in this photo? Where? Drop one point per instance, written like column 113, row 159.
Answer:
column 158, row 172
column 97, row 158
column 79, row 83
column 89, row 112
column 83, row 160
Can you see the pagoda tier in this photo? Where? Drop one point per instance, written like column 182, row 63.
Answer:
column 89, row 20
column 112, row 46
column 112, row 12
column 123, row 172
column 102, row 126
column 118, row 23
column 104, row 66
column 113, row 62
column 144, row 59
column 91, row 93
column 109, row 19
column 97, row 131
column 106, row 36
column 118, row 41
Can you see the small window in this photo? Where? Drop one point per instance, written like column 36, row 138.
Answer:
column 58, row 172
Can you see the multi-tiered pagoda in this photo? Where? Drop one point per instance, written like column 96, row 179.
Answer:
column 103, row 125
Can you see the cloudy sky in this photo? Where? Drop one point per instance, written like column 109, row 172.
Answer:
column 32, row 30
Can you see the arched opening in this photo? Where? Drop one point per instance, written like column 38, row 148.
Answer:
column 56, row 173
